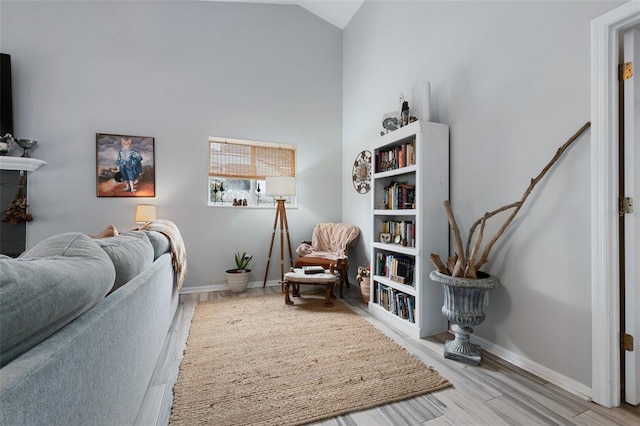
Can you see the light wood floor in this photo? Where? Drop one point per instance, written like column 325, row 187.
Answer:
column 496, row 393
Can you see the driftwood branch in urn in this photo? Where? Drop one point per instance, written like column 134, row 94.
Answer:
column 464, row 262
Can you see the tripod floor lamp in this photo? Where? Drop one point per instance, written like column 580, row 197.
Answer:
column 279, row 187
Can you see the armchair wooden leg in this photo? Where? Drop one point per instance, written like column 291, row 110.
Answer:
column 342, row 268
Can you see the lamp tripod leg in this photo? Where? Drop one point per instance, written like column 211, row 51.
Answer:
column 281, row 218
column 273, row 235
column 286, row 227
column 282, row 221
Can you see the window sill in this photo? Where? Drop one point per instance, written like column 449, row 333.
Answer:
column 261, row 206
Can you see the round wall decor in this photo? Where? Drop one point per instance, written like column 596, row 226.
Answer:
column 362, row 172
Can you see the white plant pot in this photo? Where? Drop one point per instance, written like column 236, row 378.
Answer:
column 238, row 280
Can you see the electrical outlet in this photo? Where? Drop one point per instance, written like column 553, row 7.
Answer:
column 486, row 299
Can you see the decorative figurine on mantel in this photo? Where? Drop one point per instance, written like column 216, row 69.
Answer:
column 26, row 145
column 6, row 142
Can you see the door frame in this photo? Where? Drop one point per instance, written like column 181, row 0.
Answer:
column 606, row 34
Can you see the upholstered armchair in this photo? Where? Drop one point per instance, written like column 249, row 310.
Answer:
column 329, row 244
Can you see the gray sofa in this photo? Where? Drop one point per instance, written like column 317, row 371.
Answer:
column 82, row 324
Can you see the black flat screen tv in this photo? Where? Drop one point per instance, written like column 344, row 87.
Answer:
column 6, row 102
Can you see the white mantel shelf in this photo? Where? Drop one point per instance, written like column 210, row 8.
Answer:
column 20, row 163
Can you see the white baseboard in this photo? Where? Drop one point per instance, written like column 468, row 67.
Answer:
column 220, row 287
column 532, row 367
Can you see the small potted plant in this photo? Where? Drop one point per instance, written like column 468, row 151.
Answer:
column 364, row 278
column 238, row 278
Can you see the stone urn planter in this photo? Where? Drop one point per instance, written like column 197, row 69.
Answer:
column 463, row 303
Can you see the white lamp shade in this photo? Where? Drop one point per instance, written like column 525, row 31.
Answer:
column 145, row 213
column 280, row 186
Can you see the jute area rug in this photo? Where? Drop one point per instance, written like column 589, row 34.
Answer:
column 256, row 361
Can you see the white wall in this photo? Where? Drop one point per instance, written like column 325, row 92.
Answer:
column 512, row 81
column 180, row 72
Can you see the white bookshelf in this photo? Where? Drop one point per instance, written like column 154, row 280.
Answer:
column 429, row 176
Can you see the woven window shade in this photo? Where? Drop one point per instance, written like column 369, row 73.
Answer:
column 250, row 160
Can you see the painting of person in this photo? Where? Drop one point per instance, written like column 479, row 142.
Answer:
column 125, row 166
column 129, row 164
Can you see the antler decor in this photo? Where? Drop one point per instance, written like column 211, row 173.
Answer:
column 465, row 262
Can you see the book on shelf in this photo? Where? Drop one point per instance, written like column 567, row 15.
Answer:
column 396, row 302
column 399, row 156
column 313, row 269
column 399, row 195
column 398, row 268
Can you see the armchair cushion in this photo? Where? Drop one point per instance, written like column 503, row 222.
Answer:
column 330, row 241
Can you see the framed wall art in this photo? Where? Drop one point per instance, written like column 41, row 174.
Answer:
column 125, row 166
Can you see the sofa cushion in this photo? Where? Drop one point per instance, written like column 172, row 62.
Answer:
column 48, row 286
column 131, row 253
column 160, row 243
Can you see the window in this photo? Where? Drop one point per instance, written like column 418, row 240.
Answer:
column 238, row 169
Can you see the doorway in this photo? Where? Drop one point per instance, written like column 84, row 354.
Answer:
column 606, row 38
column 628, row 187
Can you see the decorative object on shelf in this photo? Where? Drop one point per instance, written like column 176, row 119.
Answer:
column 361, row 174
column 390, row 122
column 238, row 278
column 461, row 275
column 404, row 113
column 6, row 143
column 258, row 193
column 463, row 303
column 26, row 145
column 239, row 202
column 17, row 211
column 217, row 186
column 280, row 187
column 145, row 213
column 126, row 166
column 385, row 237
column 364, row 278
column 221, row 190
column 426, row 101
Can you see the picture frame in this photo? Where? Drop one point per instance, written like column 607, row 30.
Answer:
column 385, row 237
column 125, row 166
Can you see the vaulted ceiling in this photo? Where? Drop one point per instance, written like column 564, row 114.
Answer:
column 336, row 12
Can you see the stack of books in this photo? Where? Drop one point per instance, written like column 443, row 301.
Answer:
column 313, row 269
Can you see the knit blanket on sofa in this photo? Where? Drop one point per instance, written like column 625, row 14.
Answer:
column 178, row 252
